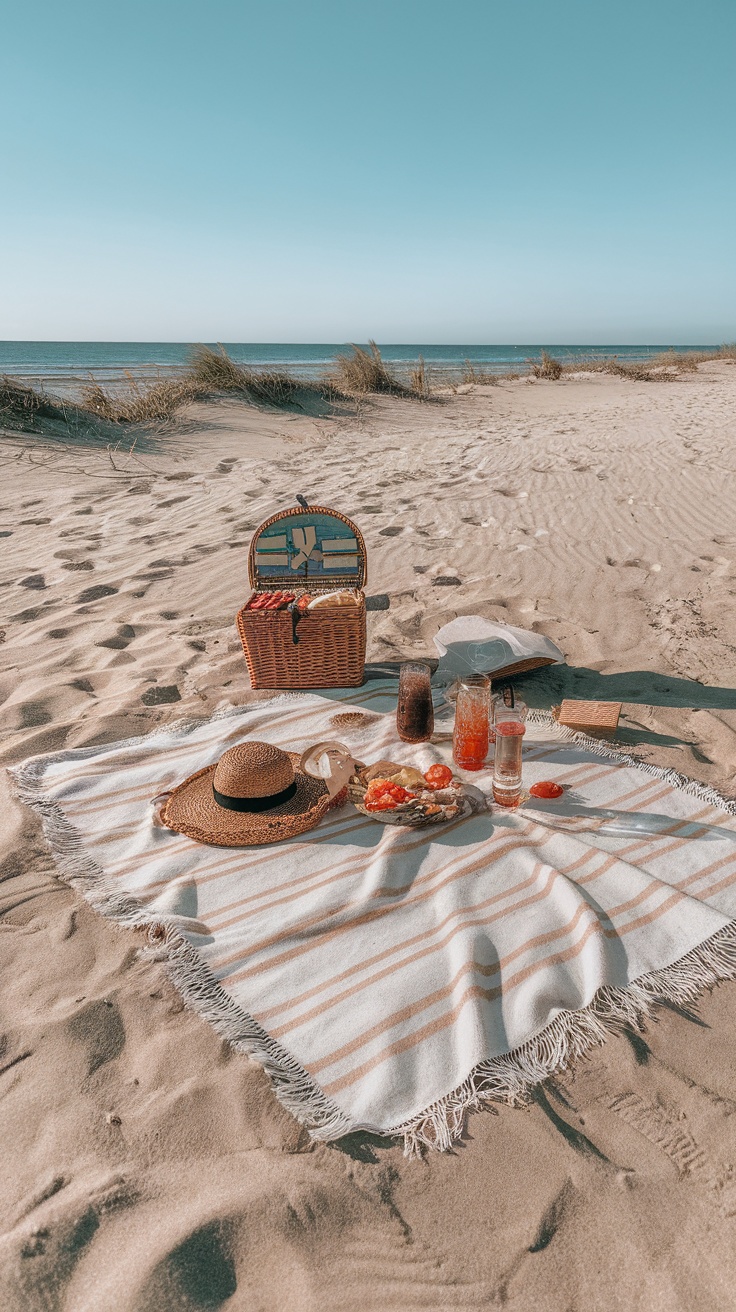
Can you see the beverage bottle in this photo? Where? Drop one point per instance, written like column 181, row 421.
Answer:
column 510, row 730
column 414, row 711
column 472, row 712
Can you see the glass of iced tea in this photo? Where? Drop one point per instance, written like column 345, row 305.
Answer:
column 472, row 713
column 415, row 712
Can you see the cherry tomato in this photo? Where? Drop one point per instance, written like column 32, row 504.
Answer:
column 438, row 776
column 546, row 788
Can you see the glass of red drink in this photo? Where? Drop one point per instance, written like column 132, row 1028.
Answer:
column 472, row 714
column 510, row 730
column 415, row 712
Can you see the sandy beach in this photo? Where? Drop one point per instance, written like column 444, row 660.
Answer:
column 146, row 1167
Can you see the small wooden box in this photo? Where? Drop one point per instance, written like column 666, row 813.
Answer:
column 600, row 719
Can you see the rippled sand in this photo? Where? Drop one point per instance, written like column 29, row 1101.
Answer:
column 144, row 1167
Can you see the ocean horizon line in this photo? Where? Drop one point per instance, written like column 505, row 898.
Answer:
column 56, row 363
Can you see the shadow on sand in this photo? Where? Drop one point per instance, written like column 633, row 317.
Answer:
column 543, row 688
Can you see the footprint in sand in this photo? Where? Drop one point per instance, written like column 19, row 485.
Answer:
column 96, row 593
column 78, row 564
column 81, row 685
column 392, row 531
column 33, row 581
column 152, row 576
column 27, row 616
column 120, row 640
column 57, row 634
column 159, row 696
column 198, row 1273
column 86, row 510
column 33, row 714
column 204, row 550
column 99, row 1028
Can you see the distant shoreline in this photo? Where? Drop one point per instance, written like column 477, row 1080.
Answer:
column 91, row 406
column 66, row 366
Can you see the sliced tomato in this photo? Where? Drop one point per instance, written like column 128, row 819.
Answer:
column 546, row 788
column 385, row 803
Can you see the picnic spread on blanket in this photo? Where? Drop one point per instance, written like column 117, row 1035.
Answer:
column 409, row 898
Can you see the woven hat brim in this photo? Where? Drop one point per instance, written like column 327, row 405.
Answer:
column 192, row 810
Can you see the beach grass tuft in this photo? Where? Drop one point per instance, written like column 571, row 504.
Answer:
column 366, row 371
column 666, row 366
column 156, row 403
column 215, row 371
column 20, row 403
column 547, row 367
column 419, row 379
column 472, row 375
column 28, row 409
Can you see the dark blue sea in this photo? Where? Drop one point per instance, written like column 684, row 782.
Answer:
column 55, row 363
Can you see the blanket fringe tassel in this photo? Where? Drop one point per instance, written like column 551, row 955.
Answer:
column 508, row 1079
column 511, row 1077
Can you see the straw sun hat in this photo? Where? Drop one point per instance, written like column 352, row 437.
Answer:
column 256, row 793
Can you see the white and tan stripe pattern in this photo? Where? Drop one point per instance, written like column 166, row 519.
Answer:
column 390, row 978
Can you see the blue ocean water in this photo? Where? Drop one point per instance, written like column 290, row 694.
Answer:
column 55, row 362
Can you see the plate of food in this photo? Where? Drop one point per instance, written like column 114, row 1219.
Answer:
column 387, row 791
column 401, row 795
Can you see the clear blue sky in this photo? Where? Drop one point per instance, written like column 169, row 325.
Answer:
column 326, row 170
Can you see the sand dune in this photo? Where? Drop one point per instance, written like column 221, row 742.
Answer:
column 146, row 1167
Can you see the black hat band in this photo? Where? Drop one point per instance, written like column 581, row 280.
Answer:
column 254, row 803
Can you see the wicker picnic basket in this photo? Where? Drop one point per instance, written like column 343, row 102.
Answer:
column 315, row 550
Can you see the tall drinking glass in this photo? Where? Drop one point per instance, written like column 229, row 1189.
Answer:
column 415, row 713
column 510, row 730
column 472, row 710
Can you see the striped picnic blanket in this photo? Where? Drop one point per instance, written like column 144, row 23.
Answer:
column 389, row 979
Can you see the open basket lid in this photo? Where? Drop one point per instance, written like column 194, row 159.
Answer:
column 312, row 546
